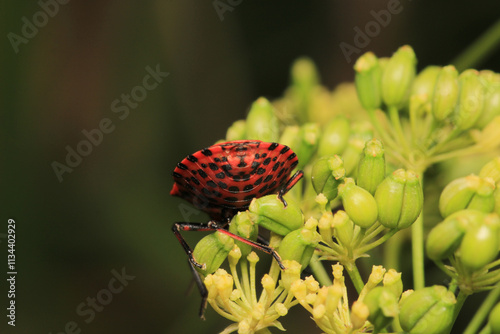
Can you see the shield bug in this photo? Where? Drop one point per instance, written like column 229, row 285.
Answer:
column 223, row 179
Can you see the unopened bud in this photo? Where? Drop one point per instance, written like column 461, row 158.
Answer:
column 368, row 81
column 262, row 123
column 371, row 167
column 398, row 75
column 445, row 94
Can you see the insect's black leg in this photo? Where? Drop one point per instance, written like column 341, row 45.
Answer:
column 177, row 227
column 289, row 184
column 202, row 288
column 264, row 248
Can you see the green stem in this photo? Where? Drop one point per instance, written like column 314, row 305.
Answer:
column 417, row 246
column 483, row 311
column 356, row 279
column 392, row 251
column 458, row 306
column 319, row 271
column 396, row 123
column 480, row 49
column 377, row 242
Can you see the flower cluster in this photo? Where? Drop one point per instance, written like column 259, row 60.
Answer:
column 364, row 149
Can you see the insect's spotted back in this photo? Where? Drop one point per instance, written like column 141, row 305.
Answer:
column 223, row 179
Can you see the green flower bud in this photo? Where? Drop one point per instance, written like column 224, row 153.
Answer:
column 343, row 228
column 368, row 81
column 383, row 307
column 305, row 143
column 274, row 216
column 491, row 170
column 472, row 192
column 445, row 94
column 400, row 199
column 334, row 137
column 428, row 310
column 242, row 225
column 445, row 237
column 305, row 78
column 480, row 244
column 237, row 131
column 352, row 154
column 491, row 107
column 212, row 250
column 424, row 83
column 289, row 135
column 470, row 100
column 261, row 122
column 327, row 173
column 490, row 76
column 494, row 319
column 371, row 167
column 393, row 283
column 398, row 75
column 358, row 203
column 299, row 245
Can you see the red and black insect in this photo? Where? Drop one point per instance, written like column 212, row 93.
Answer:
column 224, row 178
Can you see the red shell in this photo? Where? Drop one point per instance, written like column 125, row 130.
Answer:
column 224, row 178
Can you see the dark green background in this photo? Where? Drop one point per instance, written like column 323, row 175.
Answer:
column 114, row 209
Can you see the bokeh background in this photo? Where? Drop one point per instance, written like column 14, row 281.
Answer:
column 113, row 211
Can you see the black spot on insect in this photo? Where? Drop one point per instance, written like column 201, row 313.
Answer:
column 194, row 171
column 261, row 171
column 255, row 164
column 273, row 146
column 202, row 173
column 259, row 181
column 249, row 197
column 220, row 175
column 190, row 187
column 294, row 164
column 276, row 166
column 281, row 172
column 230, row 199
column 226, row 168
column 213, row 166
column 217, row 159
column 192, row 158
column 264, row 188
column 195, row 180
column 267, row 161
column 236, row 178
column 257, row 156
column 224, row 159
column 206, row 152
column 223, row 185
column 182, row 166
column 245, row 177
column 241, row 148
column 268, row 178
column 233, row 189
column 206, row 192
column 218, row 194
column 242, row 163
column 175, row 174
column 275, row 158
column 291, row 156
column 212, row 184
column 271, row 186
column 264, row 155
column 248, row 187
column 204, row 165
column 285, row 149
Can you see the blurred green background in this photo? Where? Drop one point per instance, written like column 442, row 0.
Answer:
column 113, row 210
